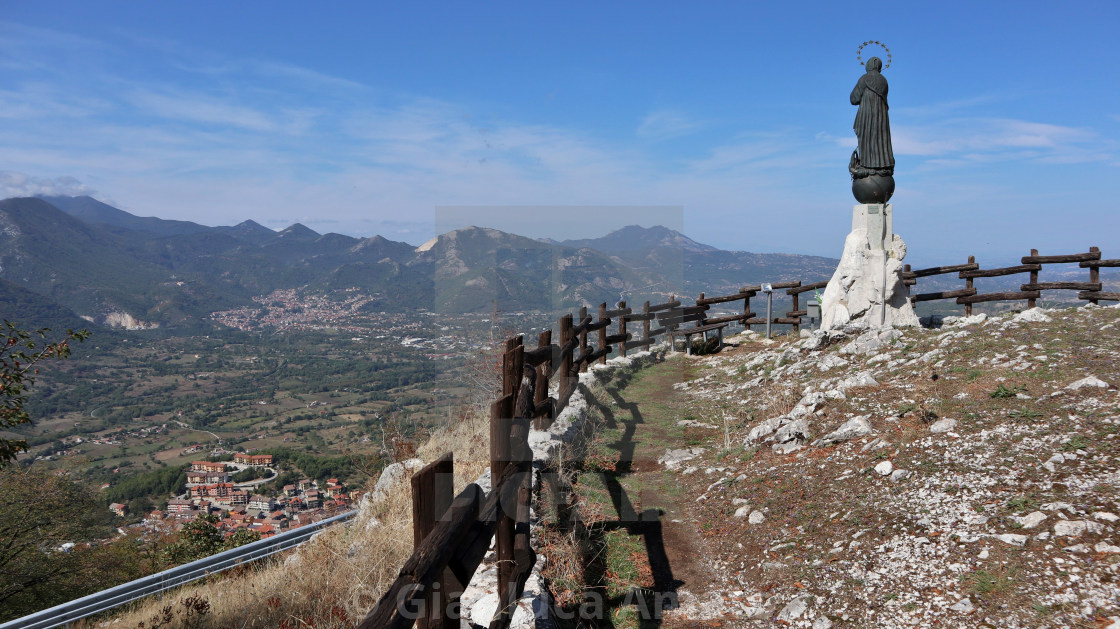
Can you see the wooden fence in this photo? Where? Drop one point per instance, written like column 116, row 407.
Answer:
column 1031, row 291
column 452, row 534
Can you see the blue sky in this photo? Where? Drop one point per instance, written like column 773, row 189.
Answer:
column 367, row 118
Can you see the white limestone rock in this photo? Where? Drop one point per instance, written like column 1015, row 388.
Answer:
column 866, row 288
column 763, row 430
column 851, row 429
column 945, row 424
column 392, row 476
column 797, row 430
column 794, row 609
column 1087, row 382
column 1033, row 315
column 1031, row 520
column 673, row 459
column 963, row 606
column 884, row 469
column 1076, row 528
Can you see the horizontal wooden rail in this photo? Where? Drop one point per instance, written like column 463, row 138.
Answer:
column 703, row 301
column 1009, row 270
column 773, row 286
column 1099, row 296
column 1075, row 257
column 804, row 288
column 583, row 325
column 611, row 314
column 940, row 270
column 1089, row 264
column 1091, row 286
column 665, row 306
column 640, row 317
column 949, row 294
column 730, row 319
column 975, row 299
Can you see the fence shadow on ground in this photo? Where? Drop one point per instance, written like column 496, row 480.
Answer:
column 648, row 602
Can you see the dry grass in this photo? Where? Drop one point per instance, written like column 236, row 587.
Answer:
column 334, row 579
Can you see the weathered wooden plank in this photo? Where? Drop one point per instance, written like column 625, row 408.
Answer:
column 909, row 282
column 657, row 332
column 466, row 557
column 703, row 301
column 1099, row 296
column 804, row 288
column 1088, row 264
column 787, row 320
column 1073, row 257
column 611, row 314
column 1090, row 286
column 591, row 357
column 940, row 270
column 541, row 355
column 797, row 313
column 773, row 286
column 948, row 294
column 432, row 495
column 640, row 317
column 619, row 338
column 672, row 303
column 1007, row 270
column 730, row 319
column 582, row 326
column 425, row 565
column 975, row 299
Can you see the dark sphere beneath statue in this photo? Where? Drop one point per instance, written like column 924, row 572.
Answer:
column 873, row 188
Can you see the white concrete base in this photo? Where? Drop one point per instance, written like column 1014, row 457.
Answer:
column 867, row 289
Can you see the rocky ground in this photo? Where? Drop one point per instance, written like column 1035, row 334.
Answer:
column 965, row 476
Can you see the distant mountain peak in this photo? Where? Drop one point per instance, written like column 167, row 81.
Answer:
column 298, row 230
column 636, row 238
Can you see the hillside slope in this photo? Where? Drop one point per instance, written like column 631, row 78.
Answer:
column 967, row 476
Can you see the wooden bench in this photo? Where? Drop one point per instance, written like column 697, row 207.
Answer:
column 672, row 319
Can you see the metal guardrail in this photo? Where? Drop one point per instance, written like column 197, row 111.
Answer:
column 172, row 578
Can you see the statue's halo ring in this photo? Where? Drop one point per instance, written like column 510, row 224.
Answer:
column 859, row 53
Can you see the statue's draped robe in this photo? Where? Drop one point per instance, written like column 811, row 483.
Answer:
column 872, row 124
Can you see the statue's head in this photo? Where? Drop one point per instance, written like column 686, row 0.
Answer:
column 874, row 64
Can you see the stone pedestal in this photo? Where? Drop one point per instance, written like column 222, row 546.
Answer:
column 867, row 290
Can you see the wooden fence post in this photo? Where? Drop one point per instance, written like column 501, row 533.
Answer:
column 602, row 332
column 432, row 493
column 796, row 326
column 1034, row 280
column 540, row 394
column 1094, row 273
column 501, row 424
column 566, row 386
column 968, row 285
column 622, row 329
column 746, row 310
column 645, row 327
column 582, row 338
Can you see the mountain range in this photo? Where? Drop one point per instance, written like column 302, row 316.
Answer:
column 80, row 255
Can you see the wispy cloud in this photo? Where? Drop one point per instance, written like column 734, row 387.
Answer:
column 15, row 184
column 666, row 124
column 181, row 106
